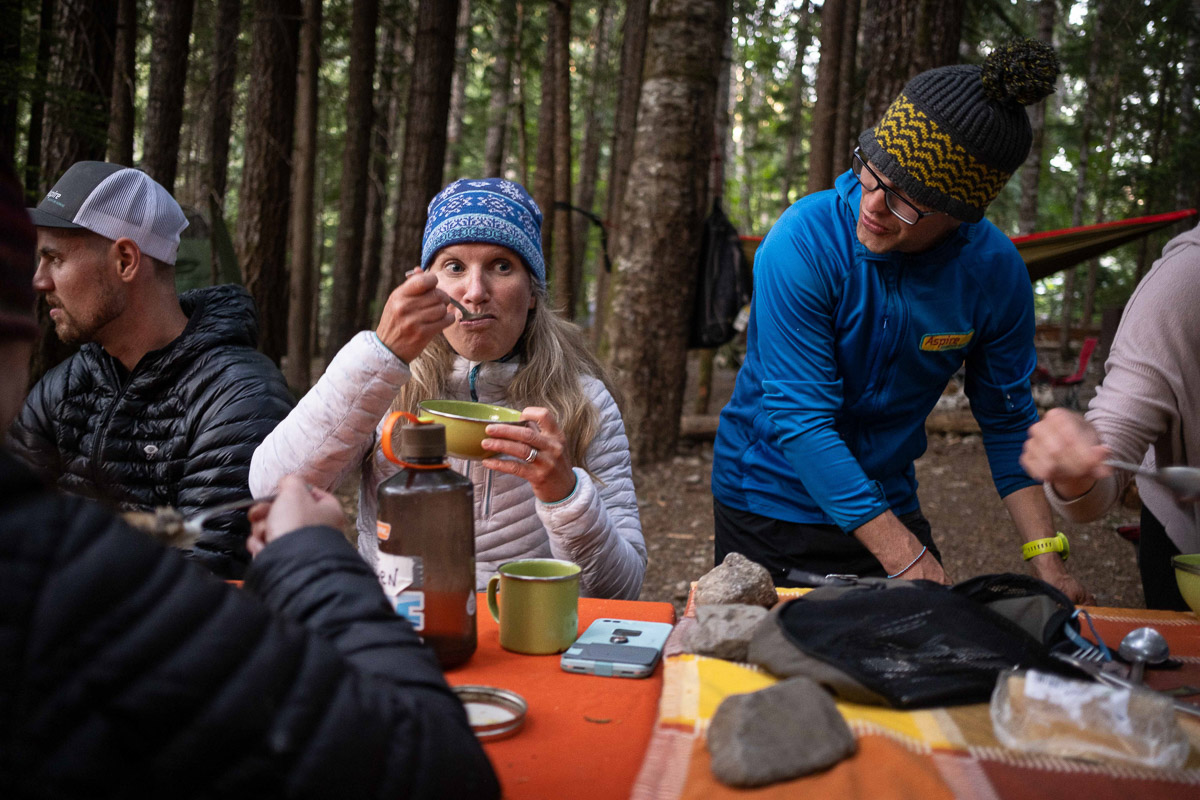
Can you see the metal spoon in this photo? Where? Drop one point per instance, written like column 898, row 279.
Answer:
column 1143, row 646
column 1183, row 482
column 194, row 524
column 467, row 316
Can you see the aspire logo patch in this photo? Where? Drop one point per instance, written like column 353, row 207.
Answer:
column 946, row 341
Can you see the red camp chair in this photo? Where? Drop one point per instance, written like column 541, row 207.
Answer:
column 1070, row 382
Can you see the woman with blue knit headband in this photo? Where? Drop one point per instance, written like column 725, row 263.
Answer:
column 567, row 489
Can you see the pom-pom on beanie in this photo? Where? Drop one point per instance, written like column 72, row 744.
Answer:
column 956, row 134
column 490, row 210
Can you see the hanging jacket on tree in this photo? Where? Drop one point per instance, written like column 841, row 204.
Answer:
column 127, row 672
column 848, row 352
column 179, row 430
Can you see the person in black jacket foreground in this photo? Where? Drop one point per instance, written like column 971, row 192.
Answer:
column 127, row 672
column 168, row 398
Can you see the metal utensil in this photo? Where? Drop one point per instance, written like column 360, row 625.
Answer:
column 1101, row 674
column 194, row 524
column 467, row 316
column 1143, row 646
column 1183, row 482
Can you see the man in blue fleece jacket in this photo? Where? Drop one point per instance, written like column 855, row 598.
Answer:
column 867, row 299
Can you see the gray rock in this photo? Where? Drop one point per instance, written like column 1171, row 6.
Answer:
column 776, row 734
column 724, row 631
column 736, row 580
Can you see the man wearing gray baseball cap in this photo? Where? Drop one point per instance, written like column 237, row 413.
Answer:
column 167, row 399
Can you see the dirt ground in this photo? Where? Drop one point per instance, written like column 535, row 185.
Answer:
column 969, row 522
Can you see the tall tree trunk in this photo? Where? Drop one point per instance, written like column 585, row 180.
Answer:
column 76, row 119
column 1031, row 170
column 589, row 161
column 501, row 95
column 1105, row 167
column 121, row 123
column 1187, row 187
column 749, row 88
column 10, row 78
column 906, row 38
column 425, row 132
column 81, row 69
column 356, row 159
column 168, row 72
column 824, row 117
column 220, row 121
column 660, row 241
column 565, row 290
column 1146, row 253
column 543, row 189
column 35, row 184
column 629, row 92
column 706, row 357
column 846, row 120
column 1087, row 121
column 302, row 278
column 383, row 134
column 265, row 199
column 795, row 128
column 458, row 91
column 520, row 84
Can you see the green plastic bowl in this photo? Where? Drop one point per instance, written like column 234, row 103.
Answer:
column 466, row 422
column 1187, row 576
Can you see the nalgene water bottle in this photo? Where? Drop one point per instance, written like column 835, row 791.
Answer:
column 426, row 530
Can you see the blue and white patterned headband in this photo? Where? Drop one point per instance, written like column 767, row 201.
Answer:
column 490, row 210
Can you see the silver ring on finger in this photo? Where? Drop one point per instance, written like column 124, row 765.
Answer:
column 533, row 454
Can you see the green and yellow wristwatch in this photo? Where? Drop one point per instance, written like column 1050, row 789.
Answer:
column 1057, row 544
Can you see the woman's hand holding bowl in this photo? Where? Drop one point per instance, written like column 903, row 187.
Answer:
column 540, row 453
column 415, row 312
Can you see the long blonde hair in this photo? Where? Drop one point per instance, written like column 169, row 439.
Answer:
column 553, row 357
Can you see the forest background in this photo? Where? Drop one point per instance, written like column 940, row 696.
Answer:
column 305, row 138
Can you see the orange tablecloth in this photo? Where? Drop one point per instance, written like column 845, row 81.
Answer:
column 584, row 736
column 932, row 754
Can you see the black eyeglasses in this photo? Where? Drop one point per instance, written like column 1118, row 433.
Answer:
column 902, row 209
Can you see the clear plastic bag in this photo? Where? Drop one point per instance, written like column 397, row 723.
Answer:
column 1042, row 713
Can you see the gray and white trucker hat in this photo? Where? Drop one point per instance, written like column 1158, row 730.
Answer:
column 115, row 202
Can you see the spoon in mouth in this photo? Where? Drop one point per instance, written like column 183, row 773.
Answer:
column 467, row 316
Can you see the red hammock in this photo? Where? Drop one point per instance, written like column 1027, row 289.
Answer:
column 1049, row 252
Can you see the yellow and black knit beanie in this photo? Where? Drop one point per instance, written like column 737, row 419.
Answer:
column 956, row 134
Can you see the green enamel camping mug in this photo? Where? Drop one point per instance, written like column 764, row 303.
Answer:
column 538, row 608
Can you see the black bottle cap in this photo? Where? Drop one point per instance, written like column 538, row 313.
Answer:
column 423, row 442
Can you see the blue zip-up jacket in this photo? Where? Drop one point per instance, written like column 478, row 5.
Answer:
column 848, row 352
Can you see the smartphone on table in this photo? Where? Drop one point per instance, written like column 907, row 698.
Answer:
column 622, row 648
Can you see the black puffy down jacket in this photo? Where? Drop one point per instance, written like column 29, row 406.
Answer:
column 179, row 430
column 127, row 672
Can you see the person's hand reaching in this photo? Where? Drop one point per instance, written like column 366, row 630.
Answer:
column 296, row 505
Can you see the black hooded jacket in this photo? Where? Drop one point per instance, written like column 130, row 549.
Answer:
column 179, row 430
column 126, row 672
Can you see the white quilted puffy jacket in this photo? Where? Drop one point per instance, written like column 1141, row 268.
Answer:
column 335, row 428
